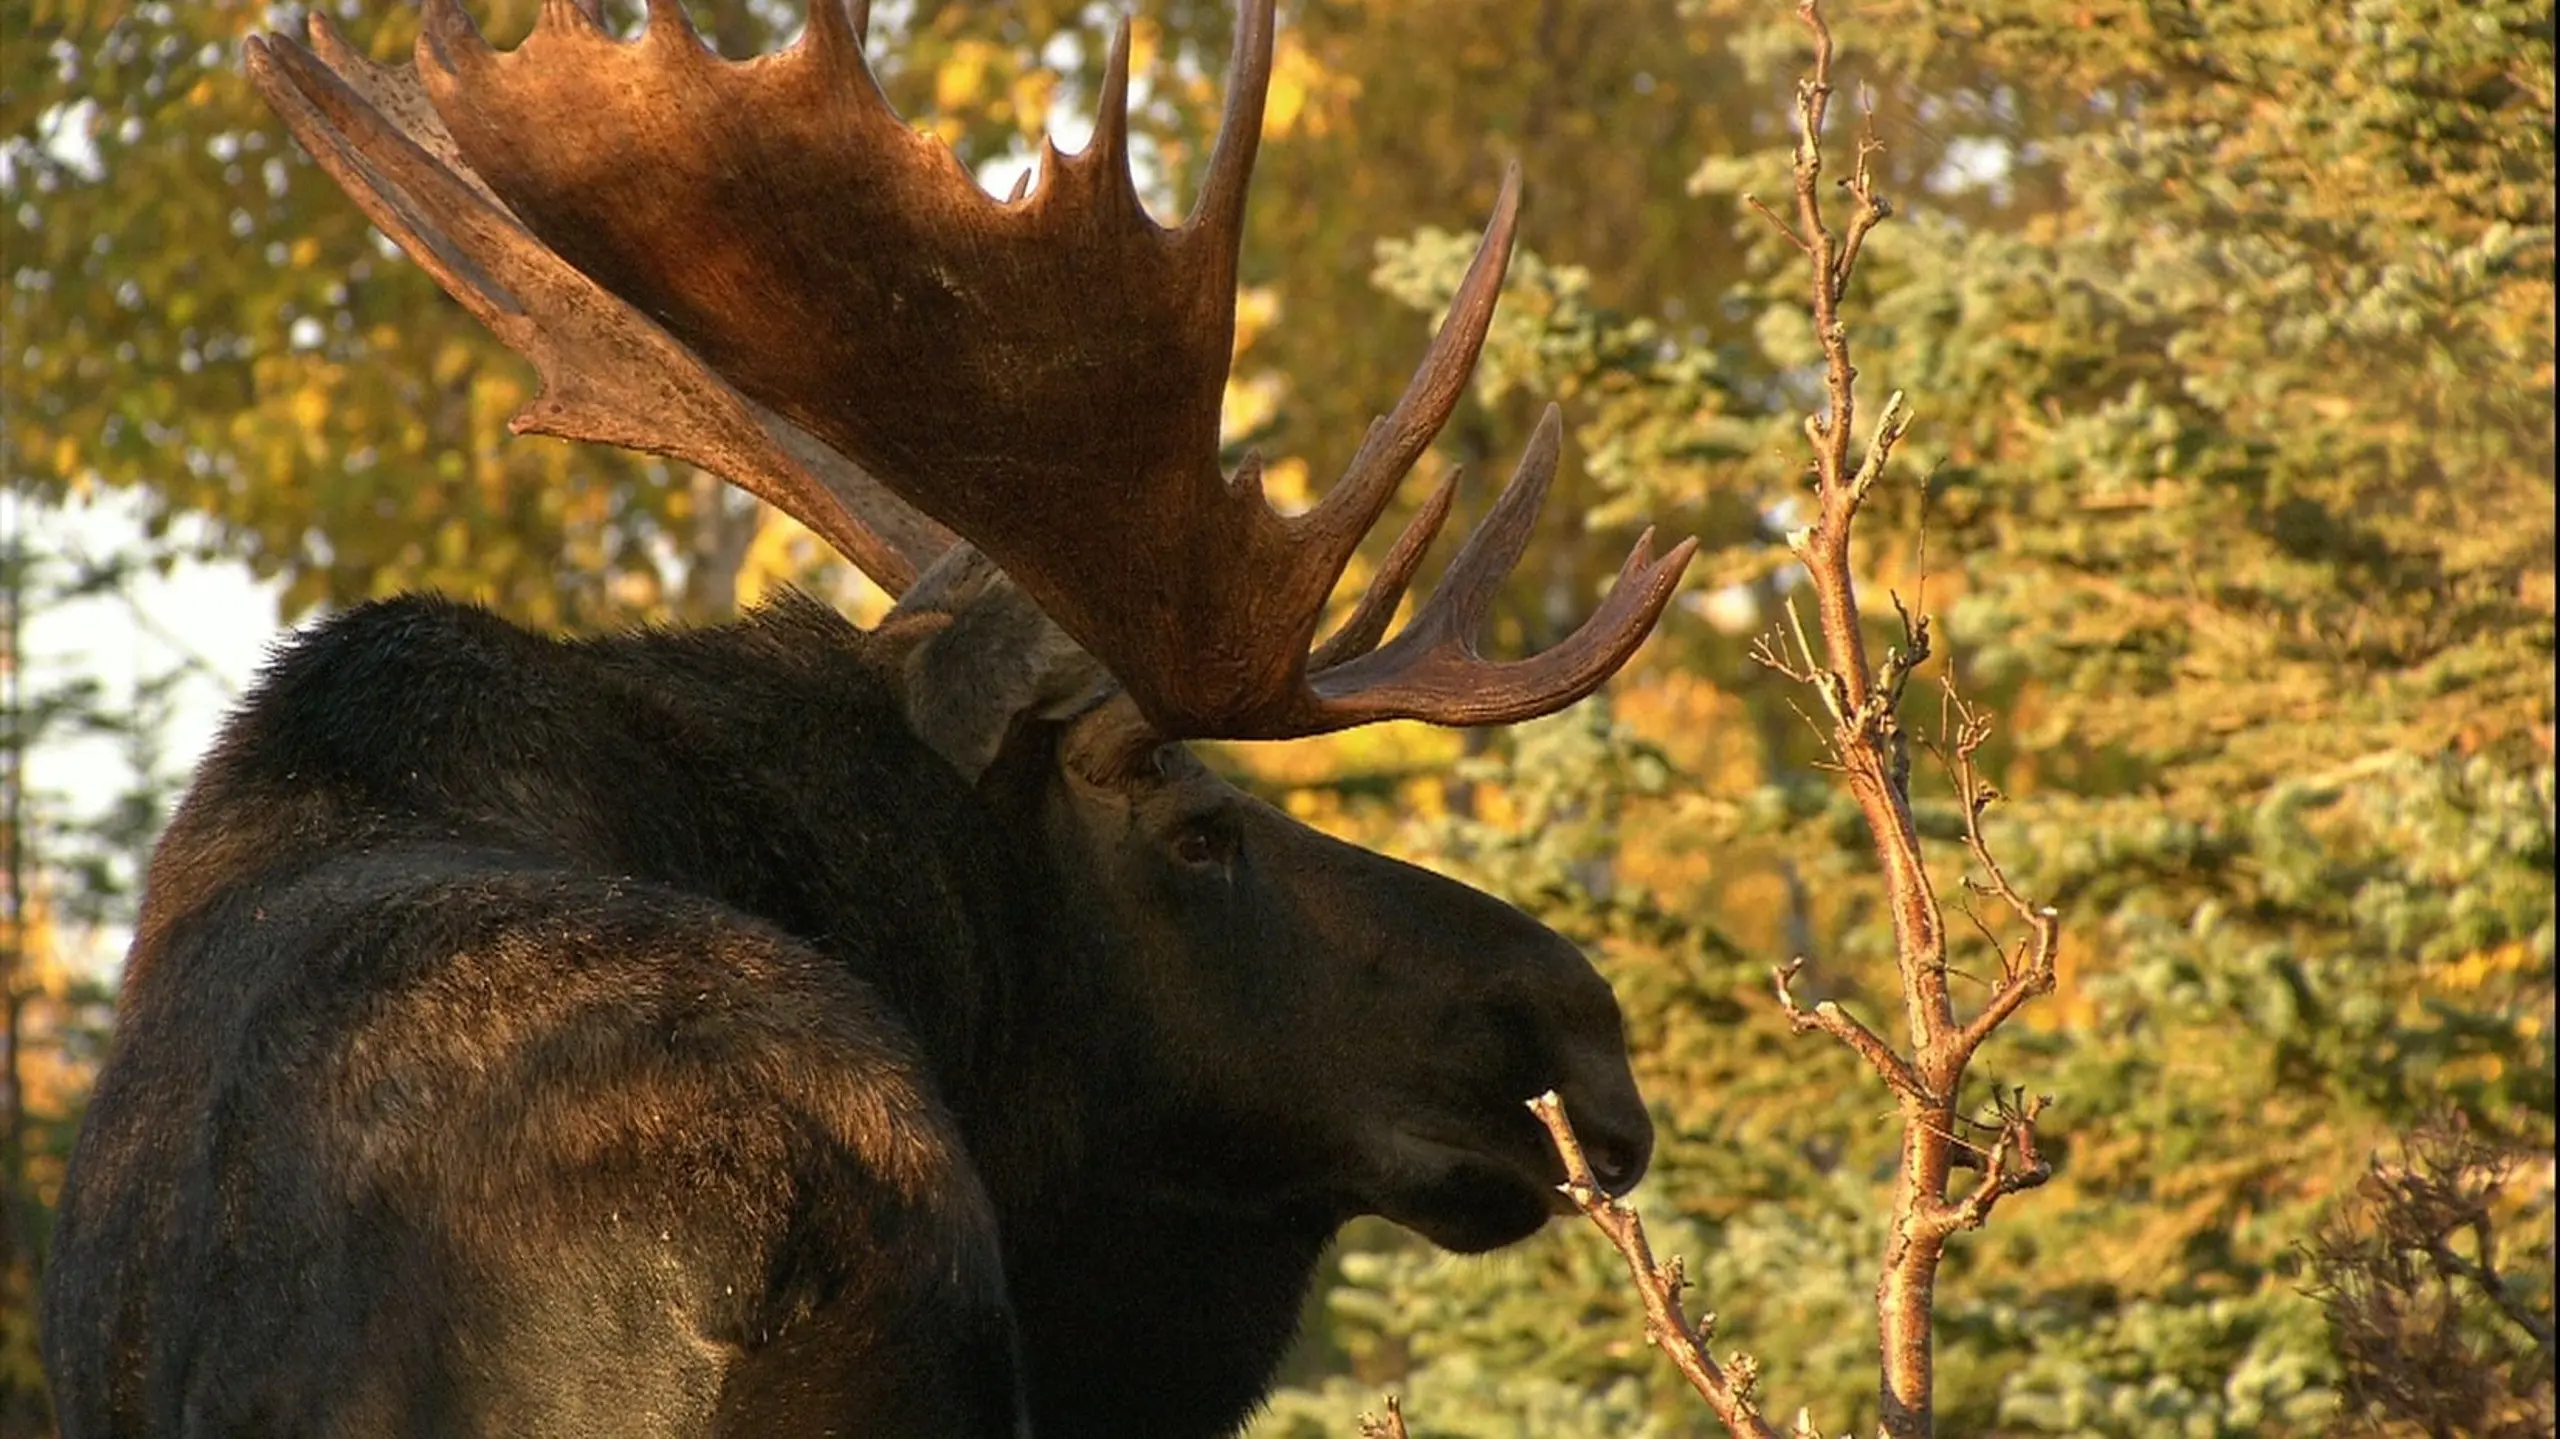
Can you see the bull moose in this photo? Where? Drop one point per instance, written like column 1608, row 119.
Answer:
column 788, row 1028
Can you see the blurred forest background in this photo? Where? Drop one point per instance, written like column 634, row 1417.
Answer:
column 2230, row 329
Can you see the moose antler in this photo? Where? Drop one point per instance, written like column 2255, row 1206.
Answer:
column 1041, row 374
column 609, row 374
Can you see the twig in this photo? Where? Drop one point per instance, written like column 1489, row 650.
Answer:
column 1729, row 1388
column 2484, row 1277
column 1387, row 1426
column 1872, row 752
column 1870, row 749
column 1769, row 651
column 1873, row 209
column 1812, row 665
column 1779, row 222
column 1890, row 427
column 2012, row 1165
column 1831, row 1019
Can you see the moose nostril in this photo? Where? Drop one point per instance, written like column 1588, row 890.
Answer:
column 1616, row 1163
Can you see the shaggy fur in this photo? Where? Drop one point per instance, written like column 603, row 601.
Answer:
column 653, row 1036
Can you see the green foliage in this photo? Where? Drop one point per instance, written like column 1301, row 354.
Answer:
column 2236, row 432
column 196, row 312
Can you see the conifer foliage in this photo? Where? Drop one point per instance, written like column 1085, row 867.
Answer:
column 2230, row 333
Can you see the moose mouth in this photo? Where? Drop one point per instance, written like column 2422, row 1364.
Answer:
column 1469, row 1197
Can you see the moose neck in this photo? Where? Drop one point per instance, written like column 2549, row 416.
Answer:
column 1124, row 1266
column 1121, row 1272
column 1118, row 1276
column 1115, row 1290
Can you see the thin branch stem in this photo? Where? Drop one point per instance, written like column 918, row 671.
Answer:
column 1831, row 1019
column 1728, row 1389
column 2483, row 1276
column 1872, row 752
column 2014, row 1164
column 1873, row 209
column 1389, row 1425
column 1870, row 749
column 1777, row 222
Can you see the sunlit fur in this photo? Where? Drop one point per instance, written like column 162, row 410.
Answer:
column 651, row 1036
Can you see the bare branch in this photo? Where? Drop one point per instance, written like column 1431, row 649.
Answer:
column 1978, row 797
column 1389, row 1425
column 1832, row 764
column 2030, row 970
column 1728, row 1389
column 1778, row 221
column 2409, row 1311
column 1873, row 209
column 2484, row 1277
column 1872, row 752
column 2014, row 1164
column 1981, row 926
column 2025, row 981
column 1769, row 652
column 1889, row 430
column 1883, row 706
column 1803, row 646
column 1841, row 1025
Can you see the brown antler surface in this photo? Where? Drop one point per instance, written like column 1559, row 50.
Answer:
column 1041, row 374
column 609, row 374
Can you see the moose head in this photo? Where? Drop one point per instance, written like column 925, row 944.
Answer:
column 1121, row 1048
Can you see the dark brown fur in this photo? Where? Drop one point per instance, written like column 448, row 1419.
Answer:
column 654, row 1036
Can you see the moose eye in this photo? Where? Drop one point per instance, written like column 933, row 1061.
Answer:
column 1205, row 844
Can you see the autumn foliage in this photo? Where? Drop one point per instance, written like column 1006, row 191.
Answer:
column 2229, row 333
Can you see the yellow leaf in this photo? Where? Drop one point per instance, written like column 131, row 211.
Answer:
column 1428, row 798
column 2473, row 971
column 1256, row 307
column 1146, row 37
column 1033, row 93
column 956, row 84
column 1302, row 91
column 775, row 557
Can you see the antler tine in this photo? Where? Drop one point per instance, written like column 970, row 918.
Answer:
column 1368, row 620
column 833, row 38
column 1447, row 684
column 608, row 374
column 1335, row 527
column 668, row 15
column 1219, row 210
column 1109, row 146
column 1431, row 670
column 1458, row 603
column 1041, row 375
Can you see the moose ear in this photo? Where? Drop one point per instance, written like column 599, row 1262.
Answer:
column 981, row 659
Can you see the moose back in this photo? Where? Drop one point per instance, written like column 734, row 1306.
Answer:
column 790, row 1028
